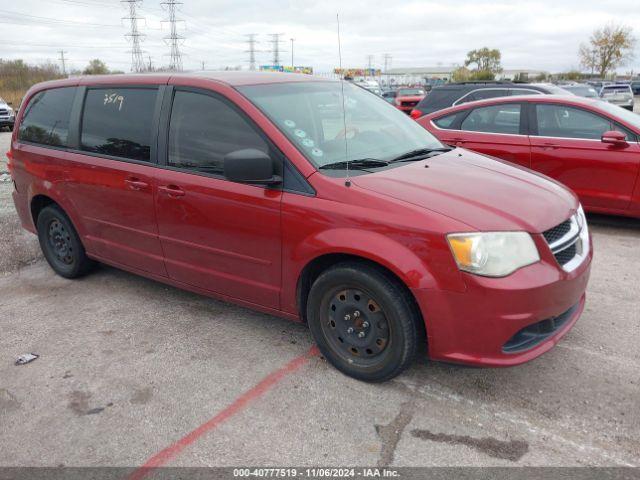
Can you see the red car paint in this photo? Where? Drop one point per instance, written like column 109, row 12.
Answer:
column 605, row 176
column 201, row 233
column 406, row 103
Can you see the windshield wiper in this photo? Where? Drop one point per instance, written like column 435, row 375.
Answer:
column 358, row 164
column 419, row 154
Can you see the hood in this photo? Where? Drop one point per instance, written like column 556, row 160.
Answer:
column 410, row 98
column 484, row 193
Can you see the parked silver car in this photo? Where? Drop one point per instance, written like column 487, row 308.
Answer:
column 7, row 115
column 618, row 94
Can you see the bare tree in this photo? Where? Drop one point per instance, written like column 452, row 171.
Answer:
column 609, row 48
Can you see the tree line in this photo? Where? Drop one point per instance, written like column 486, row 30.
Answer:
column 16, row 76
column 608, row 48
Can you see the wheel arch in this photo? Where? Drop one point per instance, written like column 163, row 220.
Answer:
column 314, row 268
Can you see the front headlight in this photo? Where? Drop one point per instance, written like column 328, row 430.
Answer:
column 493, row 254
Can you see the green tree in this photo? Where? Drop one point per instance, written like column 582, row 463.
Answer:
column 461, row 74
column 485, row 60
column 96, row 67
column 608, row 48
column 482, row 75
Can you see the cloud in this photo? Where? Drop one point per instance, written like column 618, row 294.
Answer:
column 542, row 34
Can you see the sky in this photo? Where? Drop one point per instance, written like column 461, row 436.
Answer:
column 540, row 35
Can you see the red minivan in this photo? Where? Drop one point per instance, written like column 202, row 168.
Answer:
column 589, row 145
column 287, row 194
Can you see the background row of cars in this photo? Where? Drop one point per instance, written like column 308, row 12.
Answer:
column 575, row 132
column 418, row 101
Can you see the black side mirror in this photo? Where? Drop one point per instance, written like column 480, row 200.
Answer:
column 250, row 166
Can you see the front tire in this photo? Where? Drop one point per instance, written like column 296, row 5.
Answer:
column 60, row 243
column 364, row 322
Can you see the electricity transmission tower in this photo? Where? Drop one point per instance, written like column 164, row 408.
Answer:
column 134, row 36
column 275, row 41
column 62, row 59
column 251, row 40
column 173, row 39
column 387, row 61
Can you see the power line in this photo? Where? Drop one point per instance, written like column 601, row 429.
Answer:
column 173, row 39
column 275, row 41
column 251, row 40
column 52, row 21
column 134, row 36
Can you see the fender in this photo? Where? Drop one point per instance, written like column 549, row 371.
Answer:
column 412, row 270
column 51, row 190
column 371, row 245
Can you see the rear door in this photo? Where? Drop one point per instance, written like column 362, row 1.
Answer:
column 566, row 145
column 216, row 235
column 495, row 130
column 110, row 179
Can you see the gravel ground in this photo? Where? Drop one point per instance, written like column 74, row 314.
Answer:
column 129, row 366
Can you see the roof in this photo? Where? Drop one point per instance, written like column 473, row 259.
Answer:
column 418, row 70
column 568, row 99
column 231, row 78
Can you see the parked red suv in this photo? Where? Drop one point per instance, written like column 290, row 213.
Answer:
column 407, row 98
column 254, row 188
column 589, row 145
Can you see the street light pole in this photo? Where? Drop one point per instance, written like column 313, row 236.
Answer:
column 292, row 39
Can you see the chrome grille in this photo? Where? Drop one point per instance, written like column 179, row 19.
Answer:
column 569, row 241
column 557, row 232
column 4, row 111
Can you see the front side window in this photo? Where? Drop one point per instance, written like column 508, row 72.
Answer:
column 494, row 119
column 567, row 122
column 118, row 122
column 46, row 118
column 204, row 129
column 310, row 114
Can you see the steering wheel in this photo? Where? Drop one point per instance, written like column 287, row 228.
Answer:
column 343, row 133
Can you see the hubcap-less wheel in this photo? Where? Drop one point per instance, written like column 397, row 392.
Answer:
column 355, row 325
column 60, row 242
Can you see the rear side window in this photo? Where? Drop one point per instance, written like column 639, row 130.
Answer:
column 46, row 118
column 523, row 91
column 203, row 129
column 484, row 94
column 494, row 119
column 118, row 122
column 447, row 121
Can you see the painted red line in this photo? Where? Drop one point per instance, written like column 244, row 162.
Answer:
column 239, row 404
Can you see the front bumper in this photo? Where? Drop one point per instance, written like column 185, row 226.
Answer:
column 478, row 326
column 7, row 121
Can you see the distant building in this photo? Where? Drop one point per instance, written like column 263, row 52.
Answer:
column 521, row 75
column 416, row 75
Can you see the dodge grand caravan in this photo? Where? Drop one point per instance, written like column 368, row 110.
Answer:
column 281, row 193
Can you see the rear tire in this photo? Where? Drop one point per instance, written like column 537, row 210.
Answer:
column 364, row 322
column 60, row 243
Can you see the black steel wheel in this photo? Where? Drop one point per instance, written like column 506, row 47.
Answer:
column 61, row 244
column 363, row 320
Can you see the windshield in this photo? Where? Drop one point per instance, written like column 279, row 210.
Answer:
column 310, row 115
column 623, row 114
column 405, row 92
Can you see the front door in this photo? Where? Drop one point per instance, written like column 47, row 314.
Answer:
column 567, row 147
column 217, row 235
column 493, row 130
